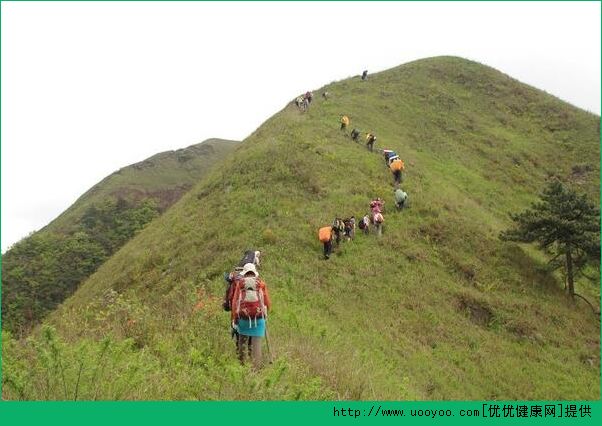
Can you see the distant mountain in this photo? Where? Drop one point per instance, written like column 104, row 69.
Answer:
column 40, row 271
column 436, row 308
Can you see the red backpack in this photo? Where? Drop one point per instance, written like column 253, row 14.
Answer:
column 249, row 303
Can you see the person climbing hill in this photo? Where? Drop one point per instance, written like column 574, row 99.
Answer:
column 397, row 167
column 377, row 221
column 308, row 97
column 376, row 206
column 300, row 102
column 364, row 224
column 250, row 305
column 355, row 134
column 250, row 256
column 344, row 122
column 401, row 198
column 325, row 235
column 370, row 139
column 349, row 228
column 364, row 75
column 338, row 227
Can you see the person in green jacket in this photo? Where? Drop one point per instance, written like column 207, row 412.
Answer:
column 401, row 198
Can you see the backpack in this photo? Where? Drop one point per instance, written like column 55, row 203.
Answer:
column 250, row 299
column 338, row 226
column 250, row 256
column 397, row 165
column 400, row 196
column 378, row 218
column 325, row 234
column 376, row 206
column 362, row 224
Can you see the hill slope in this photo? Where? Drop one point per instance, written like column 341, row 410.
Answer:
column 163, row 178
column 438, row 308
column 43, row 269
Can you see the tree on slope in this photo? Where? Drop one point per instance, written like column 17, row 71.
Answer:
column 564, row 224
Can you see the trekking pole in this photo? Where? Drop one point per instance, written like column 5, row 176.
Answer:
column 267, row 342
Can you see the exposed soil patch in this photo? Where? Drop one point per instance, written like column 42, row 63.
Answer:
column 477, row 311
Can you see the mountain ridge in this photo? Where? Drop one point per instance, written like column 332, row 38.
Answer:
column 36, row 270
column 438, row 308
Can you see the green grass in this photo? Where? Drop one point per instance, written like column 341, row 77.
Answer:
column 438, row 308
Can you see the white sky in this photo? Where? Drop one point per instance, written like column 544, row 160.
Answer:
column 90, row 87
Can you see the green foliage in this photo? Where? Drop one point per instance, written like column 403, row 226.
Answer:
column 563, row 218
column 437, row 308
column 39, row 272
column 563, row 223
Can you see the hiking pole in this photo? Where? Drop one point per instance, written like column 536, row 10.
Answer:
column 267, row 342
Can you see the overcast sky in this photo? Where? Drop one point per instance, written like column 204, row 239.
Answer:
column 90, row 87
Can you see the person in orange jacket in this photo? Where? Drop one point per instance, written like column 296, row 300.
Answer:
column 325, row 234
column 397, row 167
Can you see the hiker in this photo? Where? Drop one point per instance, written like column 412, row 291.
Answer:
column 377, row 221
column 364, row 75
column 355, row 134
column 401, row 198
column 370, row 139
column 389, row 155
column 325, row 237
column 325, row 95
column 250, row 303
column 397, row 168
column 250, row 256
column 364, row 224
column 376, row 206
column 338, row 227
column 300, row 102
column 308, row 97
column 344, row 122
column 349, row 228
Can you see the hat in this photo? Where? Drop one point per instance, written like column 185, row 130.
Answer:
column 249, row 267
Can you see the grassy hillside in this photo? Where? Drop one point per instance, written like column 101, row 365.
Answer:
column 43, row 269
column 163, row 178
column 438, row 308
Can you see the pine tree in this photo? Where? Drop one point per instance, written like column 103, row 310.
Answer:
column 564, row 224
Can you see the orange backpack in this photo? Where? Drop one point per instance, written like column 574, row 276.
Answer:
column 325, row 234
column 397, row 165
